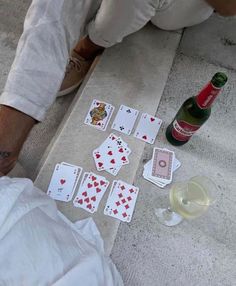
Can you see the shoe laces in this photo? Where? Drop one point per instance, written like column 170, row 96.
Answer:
column 73, row 63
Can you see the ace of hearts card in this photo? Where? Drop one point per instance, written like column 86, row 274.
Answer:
column 63, row 182
column 148, row 128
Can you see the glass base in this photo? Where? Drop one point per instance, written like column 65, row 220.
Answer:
column 168, row 217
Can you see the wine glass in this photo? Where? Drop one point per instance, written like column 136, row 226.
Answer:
column 188, row 200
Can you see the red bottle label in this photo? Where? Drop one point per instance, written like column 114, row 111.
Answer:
column 207, row 95
column 182, row 130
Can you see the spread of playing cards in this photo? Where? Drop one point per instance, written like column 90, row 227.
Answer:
column 110, row 156
column 100, row 113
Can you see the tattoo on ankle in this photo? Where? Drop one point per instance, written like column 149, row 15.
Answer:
column 4, row 154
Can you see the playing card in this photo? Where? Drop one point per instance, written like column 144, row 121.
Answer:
column 91, row 191
column 121, row 201
column 108, row 140
column 112, row 137
column 107, row 158
column 68, row 164
column 112, row 153
column 85, row 175
column 157, row 183
column 147, row 173
column 125, row 119
column 148, row 177
column 176, row 162
column 121, row 143
column 99, row 114
column 114, row 183
column 148, row 128
column 79, row 172
column 118, row 141
column 148, row 165
column 115, row 170
column 162, row 164
column 64, row 181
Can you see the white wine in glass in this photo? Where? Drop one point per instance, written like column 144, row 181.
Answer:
column 188, row 200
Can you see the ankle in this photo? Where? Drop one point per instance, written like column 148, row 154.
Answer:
column 87, row 54
column 87, row 49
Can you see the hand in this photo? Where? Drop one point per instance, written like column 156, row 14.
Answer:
column 7, row 164
column 14, row 129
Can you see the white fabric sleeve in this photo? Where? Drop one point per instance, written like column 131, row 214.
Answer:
column 40, row 247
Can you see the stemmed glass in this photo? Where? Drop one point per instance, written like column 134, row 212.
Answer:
column 188, row 200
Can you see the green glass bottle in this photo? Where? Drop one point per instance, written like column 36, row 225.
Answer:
column 194, row 112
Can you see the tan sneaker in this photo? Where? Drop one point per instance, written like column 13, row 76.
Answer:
column 76, row 70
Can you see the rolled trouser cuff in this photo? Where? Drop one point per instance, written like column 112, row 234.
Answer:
column 96, row 37
column 23, row 105
column 174, row 15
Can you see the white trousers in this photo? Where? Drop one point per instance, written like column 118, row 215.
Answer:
column 52, row 27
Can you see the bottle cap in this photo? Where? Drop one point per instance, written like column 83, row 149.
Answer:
column 219, row 79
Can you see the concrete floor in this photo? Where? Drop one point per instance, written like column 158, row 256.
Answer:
column 196, row 253
column 140, row 88
column 201, row 252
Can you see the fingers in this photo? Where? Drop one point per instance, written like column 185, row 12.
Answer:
column 6, row 165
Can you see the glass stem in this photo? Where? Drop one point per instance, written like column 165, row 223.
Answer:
column 167, row 216
column 168, row 213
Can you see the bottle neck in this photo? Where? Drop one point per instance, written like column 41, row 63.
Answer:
column 207, row 96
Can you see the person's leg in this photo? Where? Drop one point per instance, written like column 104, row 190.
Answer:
column 14, row 128
column 177, row 14
column 117, row 19
column 114, row 20
column 51, row 29
column 87, row 49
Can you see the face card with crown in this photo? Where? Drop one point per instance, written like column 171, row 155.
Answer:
column 99, row 114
